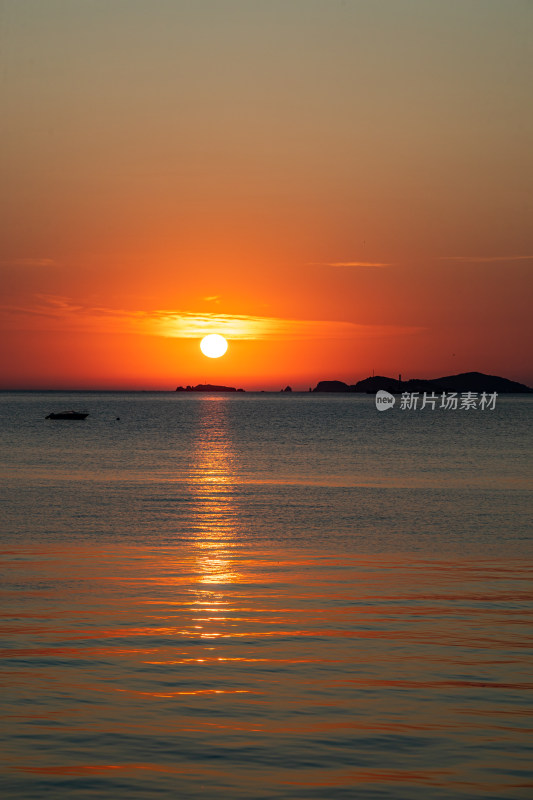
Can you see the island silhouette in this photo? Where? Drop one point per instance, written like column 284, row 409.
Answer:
column 207, row 387
column 463, row 382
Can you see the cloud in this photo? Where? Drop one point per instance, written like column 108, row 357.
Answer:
column 214, row 298
column 485, row 259
column 63, row 314
column 192, row 326
column 351, row 263
column 29, row 262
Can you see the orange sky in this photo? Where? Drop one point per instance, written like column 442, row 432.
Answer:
column 338, row 187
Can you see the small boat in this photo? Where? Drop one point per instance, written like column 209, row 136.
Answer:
column 68, row 415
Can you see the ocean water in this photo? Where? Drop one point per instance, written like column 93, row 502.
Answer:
column 265, row 596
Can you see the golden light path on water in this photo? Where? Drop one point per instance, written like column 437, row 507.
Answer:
column 230, row 670
column 208, row 657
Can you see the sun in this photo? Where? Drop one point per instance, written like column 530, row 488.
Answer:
column 214, row 345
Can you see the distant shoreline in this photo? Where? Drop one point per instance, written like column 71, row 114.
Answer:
column 463, row 382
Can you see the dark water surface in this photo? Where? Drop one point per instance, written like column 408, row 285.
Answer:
column 264, row 596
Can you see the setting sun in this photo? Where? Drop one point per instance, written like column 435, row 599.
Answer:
column 214, row 345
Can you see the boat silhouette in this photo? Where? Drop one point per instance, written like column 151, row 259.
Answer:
column 68, row 415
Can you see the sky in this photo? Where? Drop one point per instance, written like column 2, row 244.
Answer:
column 340, row 187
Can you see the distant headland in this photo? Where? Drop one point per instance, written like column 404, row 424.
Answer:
column 208, row 387
column 464, row 382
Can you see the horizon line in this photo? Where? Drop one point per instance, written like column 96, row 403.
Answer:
column 65, row 390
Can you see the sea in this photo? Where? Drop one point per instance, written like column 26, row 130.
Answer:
column 265, row 596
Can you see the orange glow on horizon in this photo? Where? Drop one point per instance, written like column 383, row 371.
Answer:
column 324, row 238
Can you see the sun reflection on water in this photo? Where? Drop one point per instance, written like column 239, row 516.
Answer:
column 206, row 652
column 216, row 516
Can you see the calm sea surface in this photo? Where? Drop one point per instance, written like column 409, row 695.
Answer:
column 265, row 596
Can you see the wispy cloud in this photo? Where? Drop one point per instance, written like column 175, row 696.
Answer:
column 29, row 262
column 213, row 298
column 61, row 313
column 192, row 326
column 351, row 263
column 486, row 259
